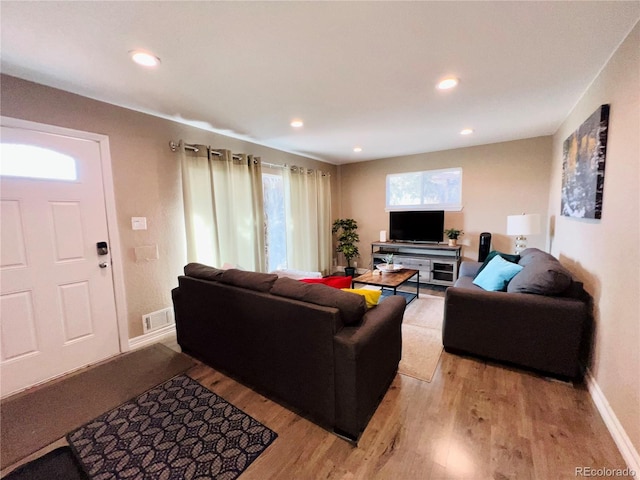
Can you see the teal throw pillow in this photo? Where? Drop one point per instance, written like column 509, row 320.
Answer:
column 496, row 275
column 507, row 256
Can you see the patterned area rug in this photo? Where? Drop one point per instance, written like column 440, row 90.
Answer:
column 178, row 430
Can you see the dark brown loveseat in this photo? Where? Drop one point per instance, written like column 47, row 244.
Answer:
column 312, row 347
column 540, row 322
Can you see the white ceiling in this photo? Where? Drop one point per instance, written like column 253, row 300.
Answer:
column 357, row 73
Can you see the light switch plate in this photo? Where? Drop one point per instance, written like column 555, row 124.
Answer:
column 139, row 223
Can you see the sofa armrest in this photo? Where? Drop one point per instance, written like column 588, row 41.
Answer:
column 469, row 268
column 536, row 331
column 366, row 359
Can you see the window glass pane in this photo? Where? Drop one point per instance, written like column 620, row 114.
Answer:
column 275, row 221
column 428, row 190
column 441, row 186
column 403, row 189
column 28, row 161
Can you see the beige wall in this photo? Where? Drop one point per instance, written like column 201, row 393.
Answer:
column 146, row 179
column 497, row 180
column 605, row 253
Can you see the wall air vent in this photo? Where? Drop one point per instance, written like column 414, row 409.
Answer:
column 156, row 320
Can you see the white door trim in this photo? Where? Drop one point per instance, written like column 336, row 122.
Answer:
column 110, row 205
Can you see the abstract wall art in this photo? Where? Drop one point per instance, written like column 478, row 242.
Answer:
column 583, row 161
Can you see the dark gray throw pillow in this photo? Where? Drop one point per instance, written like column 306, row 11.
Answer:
column 530, row 255
column 205, row 272
column 542, row 277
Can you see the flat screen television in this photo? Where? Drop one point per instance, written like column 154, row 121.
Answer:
column 416, row 226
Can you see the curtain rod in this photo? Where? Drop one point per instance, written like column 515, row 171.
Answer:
column 190, row 146
column 274, row 165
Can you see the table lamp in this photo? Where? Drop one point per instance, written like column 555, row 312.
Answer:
column 522, row 225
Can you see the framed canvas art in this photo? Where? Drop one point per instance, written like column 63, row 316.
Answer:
column 583, row 160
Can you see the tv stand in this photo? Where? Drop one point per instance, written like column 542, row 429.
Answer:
column 438, row 263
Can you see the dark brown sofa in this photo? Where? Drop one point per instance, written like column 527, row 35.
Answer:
column 540, row 322
column 312, row 347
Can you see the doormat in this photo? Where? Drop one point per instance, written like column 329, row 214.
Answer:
column 178, row 430
column 41, row 415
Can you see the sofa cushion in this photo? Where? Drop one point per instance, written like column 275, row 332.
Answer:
column 497, row 274
column 204, row 272
column 352, row 307
column 372, row 297
column 335, row 282
column 260, row 282
column 508, row 257
column 543, row 277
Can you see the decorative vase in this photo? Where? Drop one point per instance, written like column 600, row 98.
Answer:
column 453, row 242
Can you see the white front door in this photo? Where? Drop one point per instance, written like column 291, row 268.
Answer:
column 57, row 304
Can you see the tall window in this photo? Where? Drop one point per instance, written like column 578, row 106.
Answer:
column 254, row 215
column 275, row 221
column 427, row 190
column 297, row 211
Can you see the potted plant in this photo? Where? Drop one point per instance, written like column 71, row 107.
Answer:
column 453, row 234
column 345, row 228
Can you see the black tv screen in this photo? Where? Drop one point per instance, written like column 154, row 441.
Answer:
column 418, row 226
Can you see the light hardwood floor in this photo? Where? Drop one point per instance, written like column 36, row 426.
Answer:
column 475, row 420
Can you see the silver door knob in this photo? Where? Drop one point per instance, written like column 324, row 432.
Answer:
column 103, row 264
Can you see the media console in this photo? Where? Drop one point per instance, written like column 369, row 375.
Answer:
column 438, row 264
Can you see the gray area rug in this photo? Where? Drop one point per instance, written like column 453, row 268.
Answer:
column 178, row 430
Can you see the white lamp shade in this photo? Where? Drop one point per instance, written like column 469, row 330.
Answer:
column 525, row 224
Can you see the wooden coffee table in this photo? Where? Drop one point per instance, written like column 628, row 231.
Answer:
column 389, row 280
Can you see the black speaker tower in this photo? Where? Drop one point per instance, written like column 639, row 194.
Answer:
column 485, row 246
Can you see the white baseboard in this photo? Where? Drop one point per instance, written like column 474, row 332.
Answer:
column 620, row 437
column 152, row 337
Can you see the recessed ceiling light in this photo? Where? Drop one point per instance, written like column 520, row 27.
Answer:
column 448, row 83
column 357, row 149
column 466, row 131
column 297, row 123
column 143, row 58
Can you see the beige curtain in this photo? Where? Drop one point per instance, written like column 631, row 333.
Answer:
column 325, row 241
column 308, row 206
column 224, row 216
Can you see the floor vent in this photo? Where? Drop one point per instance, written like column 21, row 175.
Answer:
column 155, row 320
